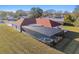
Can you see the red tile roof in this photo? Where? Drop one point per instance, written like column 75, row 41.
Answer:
column 41, row 21
column 46, row 22
column 25, row 21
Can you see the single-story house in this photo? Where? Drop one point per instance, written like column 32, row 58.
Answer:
column 58, row 15
column 46, row 22
column 1, row 17
column 1, row 22
column 44, row 34
column 10, row 18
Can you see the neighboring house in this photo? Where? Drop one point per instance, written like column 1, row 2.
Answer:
column 59, row 20
column 19, row 17
column 58, row 16
column 10, row 18
column 1, row 17
column 44, row 34
column 1, row 22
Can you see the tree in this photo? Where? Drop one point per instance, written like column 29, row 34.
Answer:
column 76, row 23
column 36, row 12
column 68, row 18
column 58, row 14
column 76, row 11
column 11, row 14
column 49, row 13
column 20, row 13
column 3, row 14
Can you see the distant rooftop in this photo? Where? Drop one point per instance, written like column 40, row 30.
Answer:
column 59, row 20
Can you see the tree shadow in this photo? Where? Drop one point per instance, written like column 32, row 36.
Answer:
column 69, row 44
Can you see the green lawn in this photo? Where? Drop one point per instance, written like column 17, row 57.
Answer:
column 70, row 28
column 12, row 41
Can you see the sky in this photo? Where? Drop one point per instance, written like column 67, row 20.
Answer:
column 44, row 7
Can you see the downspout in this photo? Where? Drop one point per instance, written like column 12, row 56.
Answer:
column 21, row 28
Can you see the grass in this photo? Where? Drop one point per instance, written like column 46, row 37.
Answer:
column 12, row 41
column 70, row 28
